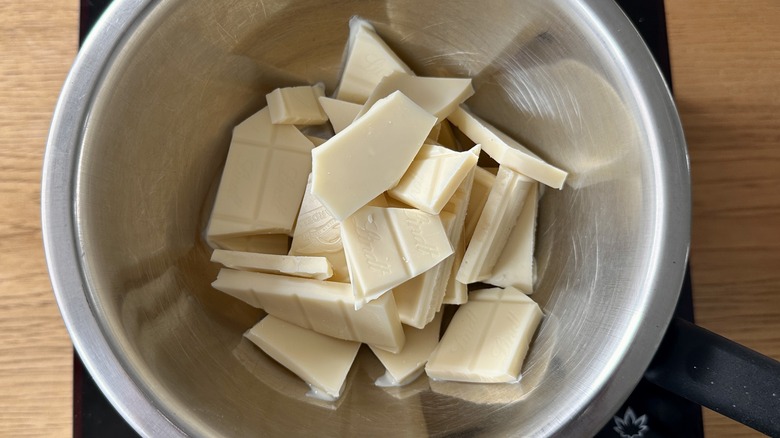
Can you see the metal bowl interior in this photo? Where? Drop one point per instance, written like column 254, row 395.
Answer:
column 141, row 132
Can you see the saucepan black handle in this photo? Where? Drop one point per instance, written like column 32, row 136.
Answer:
column 720, row 374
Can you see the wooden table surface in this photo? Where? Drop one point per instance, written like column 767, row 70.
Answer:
column 726, row 72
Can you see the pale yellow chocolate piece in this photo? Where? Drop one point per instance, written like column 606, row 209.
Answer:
column 419, row 298
column 457, row 292
column 505, row 150
column 260, row 243
column 432, row 178
column 317, row 233
column 323, row 306
column 438, row 96
column 263, row 180
column 505, row 200
column 370, row 156
column 321, row 361
column 298, row 266
column 297, row 105
column 515, row 266
column 487, row 339
column 404, row 367
column 340, row 113
column 483, row 182
column 368, row 60
column 387, row 246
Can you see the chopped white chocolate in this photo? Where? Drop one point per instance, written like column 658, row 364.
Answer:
column 505, row 200
column 340, row 113
column 260, row 243
column 515, row 264
column 487, row 339
column 432, row 178
column 483, row 182
column 368, row 60
column 505, row 150
column 438, row 96
column 297, row 105
column 387, row 246
column 321, row 361
column 419, row 298
column 404, row 367
column 323, row 306
column 457, row 292
column 370, row 156
column 317, row 233
column 298, row 266
column 316, row 140
column 263, row 180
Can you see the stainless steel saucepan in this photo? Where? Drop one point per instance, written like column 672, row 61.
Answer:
column 136, row 147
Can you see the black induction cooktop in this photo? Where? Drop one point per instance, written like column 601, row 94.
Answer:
column 649, row 412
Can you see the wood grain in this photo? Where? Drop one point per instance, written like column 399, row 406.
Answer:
column 38, row 40
column 725, row 59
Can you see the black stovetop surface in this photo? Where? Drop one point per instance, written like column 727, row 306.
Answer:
column 649, row 412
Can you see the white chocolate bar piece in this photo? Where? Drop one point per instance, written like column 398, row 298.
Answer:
column 483, row 182
column 505, row 150
column 419, row 298
column 317, row 233
column 404, row 367
column 438, row 96
column 368, row 60
column 259, row 243
column 370, row 156
column 323, row 306
column 457, row 292
column 499, row 216
column 387, row 246
column 340, row 113
column 321, row 361
column 263, row 180
column 433, row 177
column 515, row 265
column 487, row 339
column 297, row 105
column 307, row 267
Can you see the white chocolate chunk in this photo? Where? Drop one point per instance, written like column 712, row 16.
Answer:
column 387, row 246
column 438, row 96
column 317, row 233
column 263, row 180
column 297, row 105
column 433, row 177
column 487, row 339
column 370, row 156
column 368, row 60
column 515, row 264
column 505, row 150
column 321, row 361
column 259, row 243
column 483, row 182
column 457, row 292
column 419, row 298
column 404, row 367
column 323, row 306
column 307, row 267
column 340, row 113
column 505, row 200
